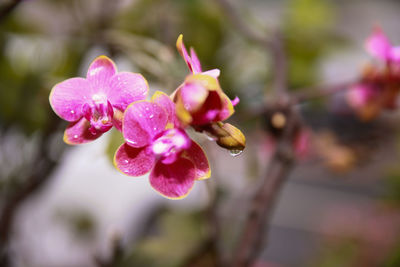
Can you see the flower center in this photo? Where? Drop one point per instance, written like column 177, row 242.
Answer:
column 170, row 144
column 99, row 113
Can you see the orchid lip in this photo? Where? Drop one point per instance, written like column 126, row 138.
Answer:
column 169, row 145
column 99, row 113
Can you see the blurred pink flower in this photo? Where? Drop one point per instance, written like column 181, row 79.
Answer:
column 156, row 143
column 95, row 104
column 379, row 46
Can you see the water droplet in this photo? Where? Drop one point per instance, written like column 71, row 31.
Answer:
column 155, row 128
column 126, row 161
column 235, row 152
column 76, row 136
column 72, row 112
column 151, row 116
column 147, row 108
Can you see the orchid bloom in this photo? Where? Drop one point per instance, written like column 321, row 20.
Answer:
column 95, row 104
column 200, row 100
column 155, row 142
column 201, row 103
column 379, row 46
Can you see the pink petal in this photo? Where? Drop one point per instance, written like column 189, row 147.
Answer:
column 210, row 110
column 395, row 54
column 165, row 102
column 378, row 45
column 196, row 154
column 195, row 61
column 227, row 107
column 68, row 97
column 100, row 72
column 235, row 101
column 213, row 73
column 173, row 180
column 117, row 119
column 142, row 121
column 78, row 133
column 133, row 161
column 126, row 88
column 193, row 96
column 182, row 50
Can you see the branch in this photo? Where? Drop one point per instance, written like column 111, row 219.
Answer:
column 254, row 231
column 308, row 94
column 7, row 9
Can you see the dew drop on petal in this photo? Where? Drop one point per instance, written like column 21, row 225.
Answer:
column 126, row 161
column 155, row 128
column 76, row 136
column 72, row 112
column 235, row 152
column 151, row 116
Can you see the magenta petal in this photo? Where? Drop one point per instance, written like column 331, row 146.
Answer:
column 133, row 161
column 395, row 54
column 378, row 45
column 193, row 96
column 68, row 97
column 196, row 66
column 142, row 121
column 100, row 72
column 213, row 73
column 196, row 154
column 79, row 133
column 166, row 103
column 126, row 88
column 173, row 180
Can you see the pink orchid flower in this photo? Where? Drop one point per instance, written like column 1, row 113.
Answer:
column 200, row 99
column 95, row 104
column 379, row 46
column 155, row 142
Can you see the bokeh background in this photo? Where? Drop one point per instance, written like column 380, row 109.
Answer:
column 68, row 206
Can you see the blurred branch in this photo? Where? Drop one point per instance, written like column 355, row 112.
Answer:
column 254, row 230
column 307, row 94
column 6, row 9
column 117, row 252
column 274, row 44
column 40, row 175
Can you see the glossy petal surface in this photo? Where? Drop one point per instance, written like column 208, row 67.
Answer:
column 142, row 121
column 193, row 96
column 68, row 97
column 133, row 161
column 126, row 88
column 173, row 180
column 100, row 72
column 196, row 154
column 378, row 45
column 165, row 102
column 78, row 133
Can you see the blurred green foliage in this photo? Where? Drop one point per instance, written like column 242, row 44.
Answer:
column 176, row 235
column 309, row 34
